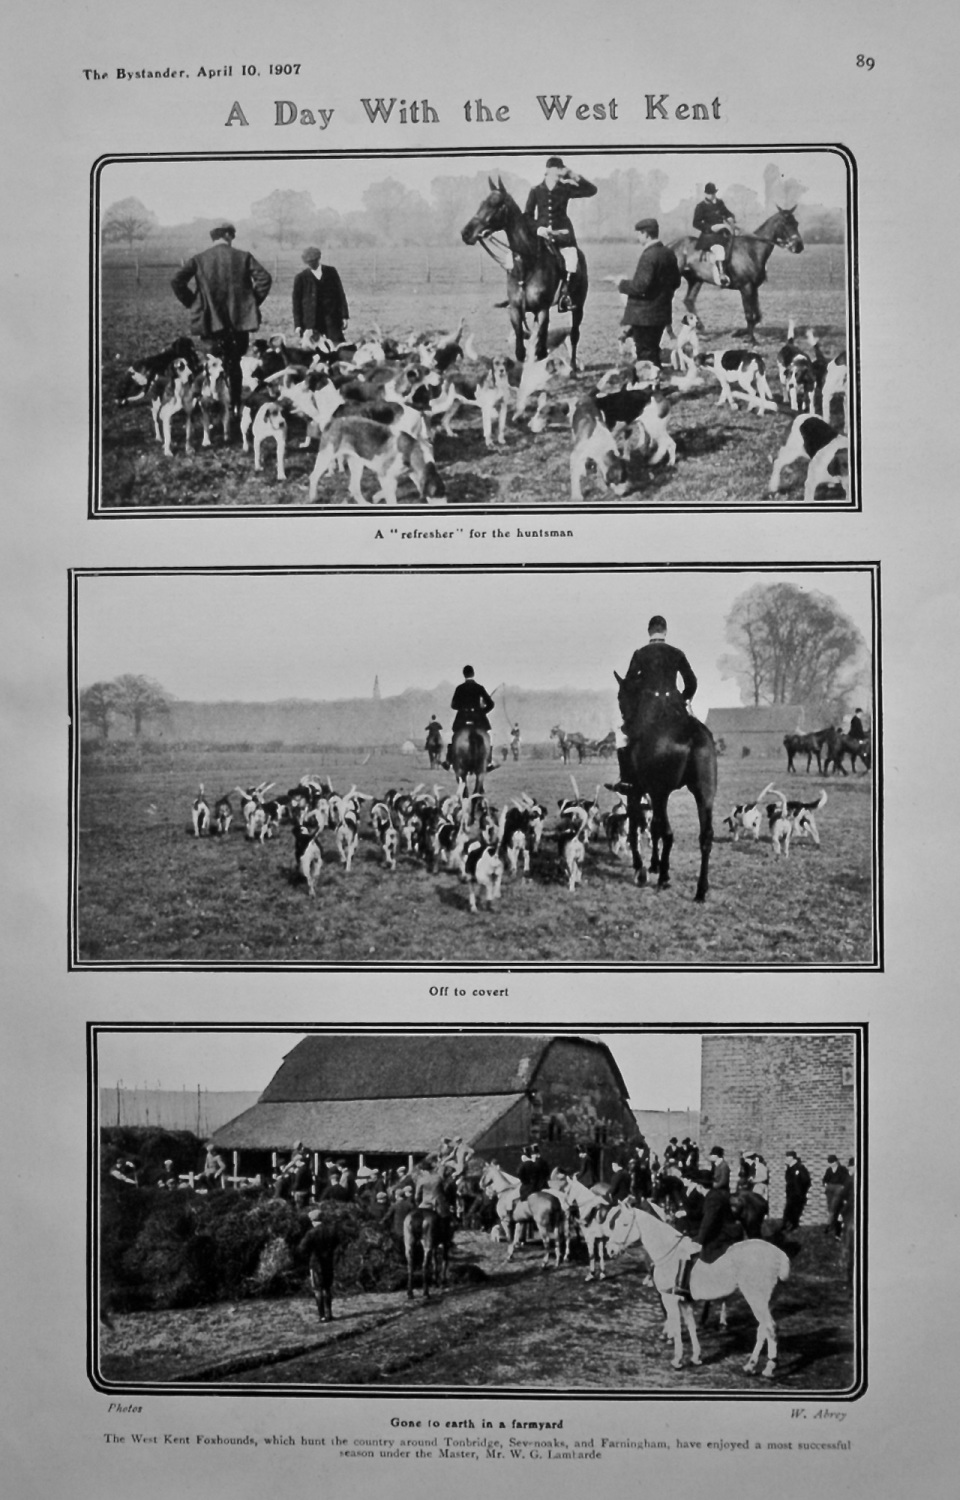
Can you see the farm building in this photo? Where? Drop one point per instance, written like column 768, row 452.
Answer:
column 386, row 1100
column 773, row 1093
column 757, row 731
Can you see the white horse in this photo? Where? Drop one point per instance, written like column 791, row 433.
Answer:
column 753, row 1267
column 593, row 1209
column 542, row 1209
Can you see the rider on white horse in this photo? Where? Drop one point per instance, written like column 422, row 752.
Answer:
column 718, row 1228
column 547, row 206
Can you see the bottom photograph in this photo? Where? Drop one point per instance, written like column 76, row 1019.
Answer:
column 647, row 1211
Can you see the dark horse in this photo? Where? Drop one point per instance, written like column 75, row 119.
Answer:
column 745, row 264
column 534, row 279
column 809, row 745
column 665, row 751
column 469, row 754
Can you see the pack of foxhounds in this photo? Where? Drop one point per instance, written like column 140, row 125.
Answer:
column 458, row 832
column 377, row 405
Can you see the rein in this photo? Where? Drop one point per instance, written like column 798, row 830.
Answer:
column 499, row 254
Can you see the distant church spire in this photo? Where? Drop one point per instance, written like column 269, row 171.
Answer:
column 376, row 688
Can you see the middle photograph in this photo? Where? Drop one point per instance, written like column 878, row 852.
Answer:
column 656, row 767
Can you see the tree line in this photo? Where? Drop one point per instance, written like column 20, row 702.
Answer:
column 394, row 214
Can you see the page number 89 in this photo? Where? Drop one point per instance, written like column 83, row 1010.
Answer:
column 864, row 62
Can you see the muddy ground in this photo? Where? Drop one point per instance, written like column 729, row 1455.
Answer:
column 520, row 1327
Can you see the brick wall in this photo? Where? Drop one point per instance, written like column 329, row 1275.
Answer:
column 770, row 1093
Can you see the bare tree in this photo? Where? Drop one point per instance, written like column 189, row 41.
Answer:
column 138, row 698
column 285, row 216
column 793, row 645
column 98, row 704
column 128, row 223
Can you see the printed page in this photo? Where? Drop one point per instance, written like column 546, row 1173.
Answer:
column 480, row 490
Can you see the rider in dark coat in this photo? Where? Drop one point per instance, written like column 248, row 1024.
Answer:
column 714, row 224
column 652, row 675
column 547, row 207
column 857, row 731
column 534, row 1172
column 471, row 704
column 434, row 733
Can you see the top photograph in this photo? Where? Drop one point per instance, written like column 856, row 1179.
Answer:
column 625, row 330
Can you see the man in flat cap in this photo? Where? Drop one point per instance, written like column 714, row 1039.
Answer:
column 547, row 206
column 319, row 302
column 649, row 292
column 224, row 288
column 714, row 224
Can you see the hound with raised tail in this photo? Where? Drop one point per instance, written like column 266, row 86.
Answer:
column 492, row 394
column 200, row 813
column 572, row 835
column 802, row 819
column 388, row 451
column 386, row 833
column 813, row 439
column 483, row 872
column 263, row 415
column 307, row 857
column 787, row 818
column 747, row 817
column 742, row 376
column 222, row 816
column 348, row 829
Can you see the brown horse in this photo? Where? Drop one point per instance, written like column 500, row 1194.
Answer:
column 745, row 264
column 534, row 278
column 469, row 754
column 666, row 751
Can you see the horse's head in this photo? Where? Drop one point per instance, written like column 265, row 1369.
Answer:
column 490, row 216
column 786, row 232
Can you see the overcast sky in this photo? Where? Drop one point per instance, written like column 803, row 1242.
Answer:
column 180, row 191
column 660, row 1071
column 260, row 638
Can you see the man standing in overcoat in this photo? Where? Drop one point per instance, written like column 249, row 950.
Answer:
column 319, row 301
column 649, row 292
column 224, row 288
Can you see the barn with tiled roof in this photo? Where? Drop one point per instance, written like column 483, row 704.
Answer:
column 386, row 1099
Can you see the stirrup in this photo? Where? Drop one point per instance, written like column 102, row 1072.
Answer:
column 564, row 302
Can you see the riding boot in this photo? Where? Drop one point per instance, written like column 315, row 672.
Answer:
column 623, row 758
column 564, row 303
column 682, row 1284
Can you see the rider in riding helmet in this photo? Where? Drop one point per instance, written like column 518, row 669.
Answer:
column 534, row 1172
column 715, row 225
column 857, row 731
column 471, row 703
column 718, row 1230
column 547, row 206
column 652, row 673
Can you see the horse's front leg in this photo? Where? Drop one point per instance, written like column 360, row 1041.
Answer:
column 634, row 820
column 519, row 324
column 543, row 328
column 575, row 321
column 690, row 300
column 674, row 1328
column 751, row 311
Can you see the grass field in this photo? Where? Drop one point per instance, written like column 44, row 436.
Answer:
column 724, row 458
column 149, row 892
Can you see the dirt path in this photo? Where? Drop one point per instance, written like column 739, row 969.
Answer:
column 520, row 1328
